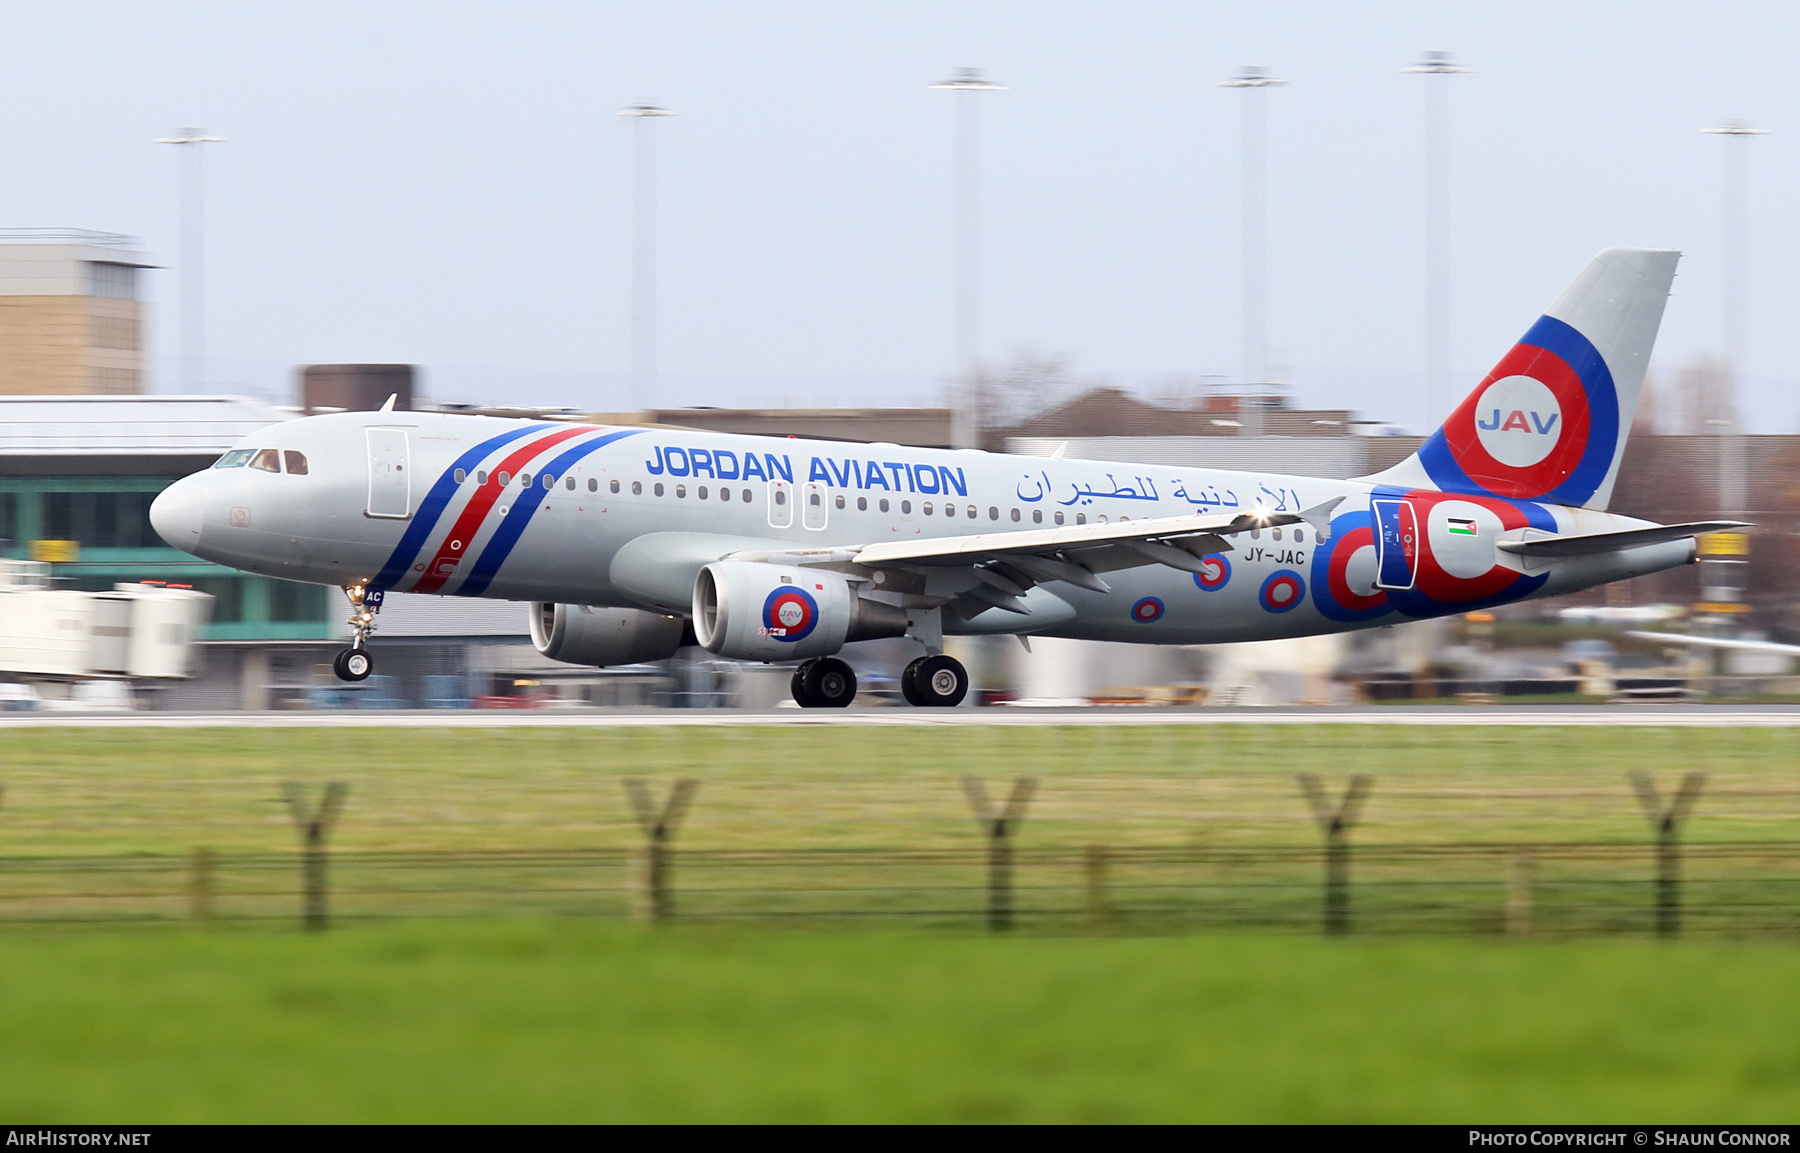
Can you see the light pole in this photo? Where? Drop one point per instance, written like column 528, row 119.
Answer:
column 1437, row 67
column 1253, row 80
column 193, row 257
column 643, row 253
column 968, row 84
column 1736, row 323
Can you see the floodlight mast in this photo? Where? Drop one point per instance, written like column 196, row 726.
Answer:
column 1436, row 66
column 1735, row 311
column 193, row 257
column 968, row 84
column 1253, row 79
column 643, row 253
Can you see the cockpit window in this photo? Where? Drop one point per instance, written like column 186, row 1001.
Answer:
column 236, row 458
column 268, row 460
column 296, row 462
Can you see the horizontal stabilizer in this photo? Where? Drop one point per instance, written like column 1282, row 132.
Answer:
column 1553, row 547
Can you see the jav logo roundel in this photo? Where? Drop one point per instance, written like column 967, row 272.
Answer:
column 1518, row 420
column 1215, row 570
column 1282, row 591
column 790, row 614
column 1147, row 610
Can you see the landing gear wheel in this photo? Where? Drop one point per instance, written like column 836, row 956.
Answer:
column 937, row 682
column 829, row 682
column 353, row 665
column 907, row 688
column 797, row 686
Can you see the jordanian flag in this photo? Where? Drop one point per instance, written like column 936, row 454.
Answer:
column 1461, row 527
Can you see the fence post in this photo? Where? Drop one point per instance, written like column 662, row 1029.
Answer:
column 1521, row 874
column 200, row 869
column 999, row 828
column 1667, row 823
column 1335, row 823
column 651, row 897
column 313, row 825
column 1094, row 866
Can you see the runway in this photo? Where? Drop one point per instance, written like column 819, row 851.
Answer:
column 1571, row 716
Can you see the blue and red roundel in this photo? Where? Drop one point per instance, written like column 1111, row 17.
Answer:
column 790, row 614
column 1215, row 570
column 1282, row 591
column 1147, row 610
column 1544, row 425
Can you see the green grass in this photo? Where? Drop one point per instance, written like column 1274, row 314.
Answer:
column 512, row 1022
column 168, row 791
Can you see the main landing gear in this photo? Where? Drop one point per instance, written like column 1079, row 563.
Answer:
column 938, row 682
column 355, row 663
column 824, row 683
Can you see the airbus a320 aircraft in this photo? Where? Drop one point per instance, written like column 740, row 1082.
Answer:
column 631, row 542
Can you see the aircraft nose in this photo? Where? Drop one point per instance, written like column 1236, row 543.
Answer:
column 176, row 514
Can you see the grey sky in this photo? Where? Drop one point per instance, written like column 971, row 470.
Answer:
column 448, row 184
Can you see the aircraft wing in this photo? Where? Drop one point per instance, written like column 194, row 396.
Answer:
column 995, row 570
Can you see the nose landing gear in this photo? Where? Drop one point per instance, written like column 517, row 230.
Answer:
column 355, row 663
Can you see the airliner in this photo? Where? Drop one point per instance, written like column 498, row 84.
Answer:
column 631, row 542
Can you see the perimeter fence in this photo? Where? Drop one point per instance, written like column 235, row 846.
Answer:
column 1543, row 889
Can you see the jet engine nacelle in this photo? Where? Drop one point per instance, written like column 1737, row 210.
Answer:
column 753, row 611
column 580, row 635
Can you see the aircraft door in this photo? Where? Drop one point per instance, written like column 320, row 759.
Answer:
column 812, row 508
column 390, row 473
column 781, row 504
column 1397, row 544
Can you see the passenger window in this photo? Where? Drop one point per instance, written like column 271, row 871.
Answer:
column 1102, row 518
column 549, row 481
column 1059, row 517
column 1081, row 518
column 1015, row 516
column 570, row 484
column 949, row 509
column 504, row 478
column 481, row 477
column 236, row 458
column 973, row 512
column 1037, row 516
column 1277, row 534
column 927, row 508
column 658, row 490
column 296, row 463
column 268, row 460
column 681, row 491
column 993, row 513
column 780, row 496
column 1299, row 537
column 884, row 504
column 524, row 480
column 725, row 494
column 637, row 488
column 814, row 501
column 840, row 502
column 906, row 506
column 862, row 504
column 702, row 492
column 461, row 476
column 615, row 485
column 746, row 496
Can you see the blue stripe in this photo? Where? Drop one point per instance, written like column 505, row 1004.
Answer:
column 432, row 507
column 500, row 545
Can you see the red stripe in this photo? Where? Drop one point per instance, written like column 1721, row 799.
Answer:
column 442, row 566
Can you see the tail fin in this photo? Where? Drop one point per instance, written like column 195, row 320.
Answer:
column 1549, row 422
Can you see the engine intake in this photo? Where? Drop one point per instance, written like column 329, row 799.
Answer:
column 749, row 610
column 581, row 635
